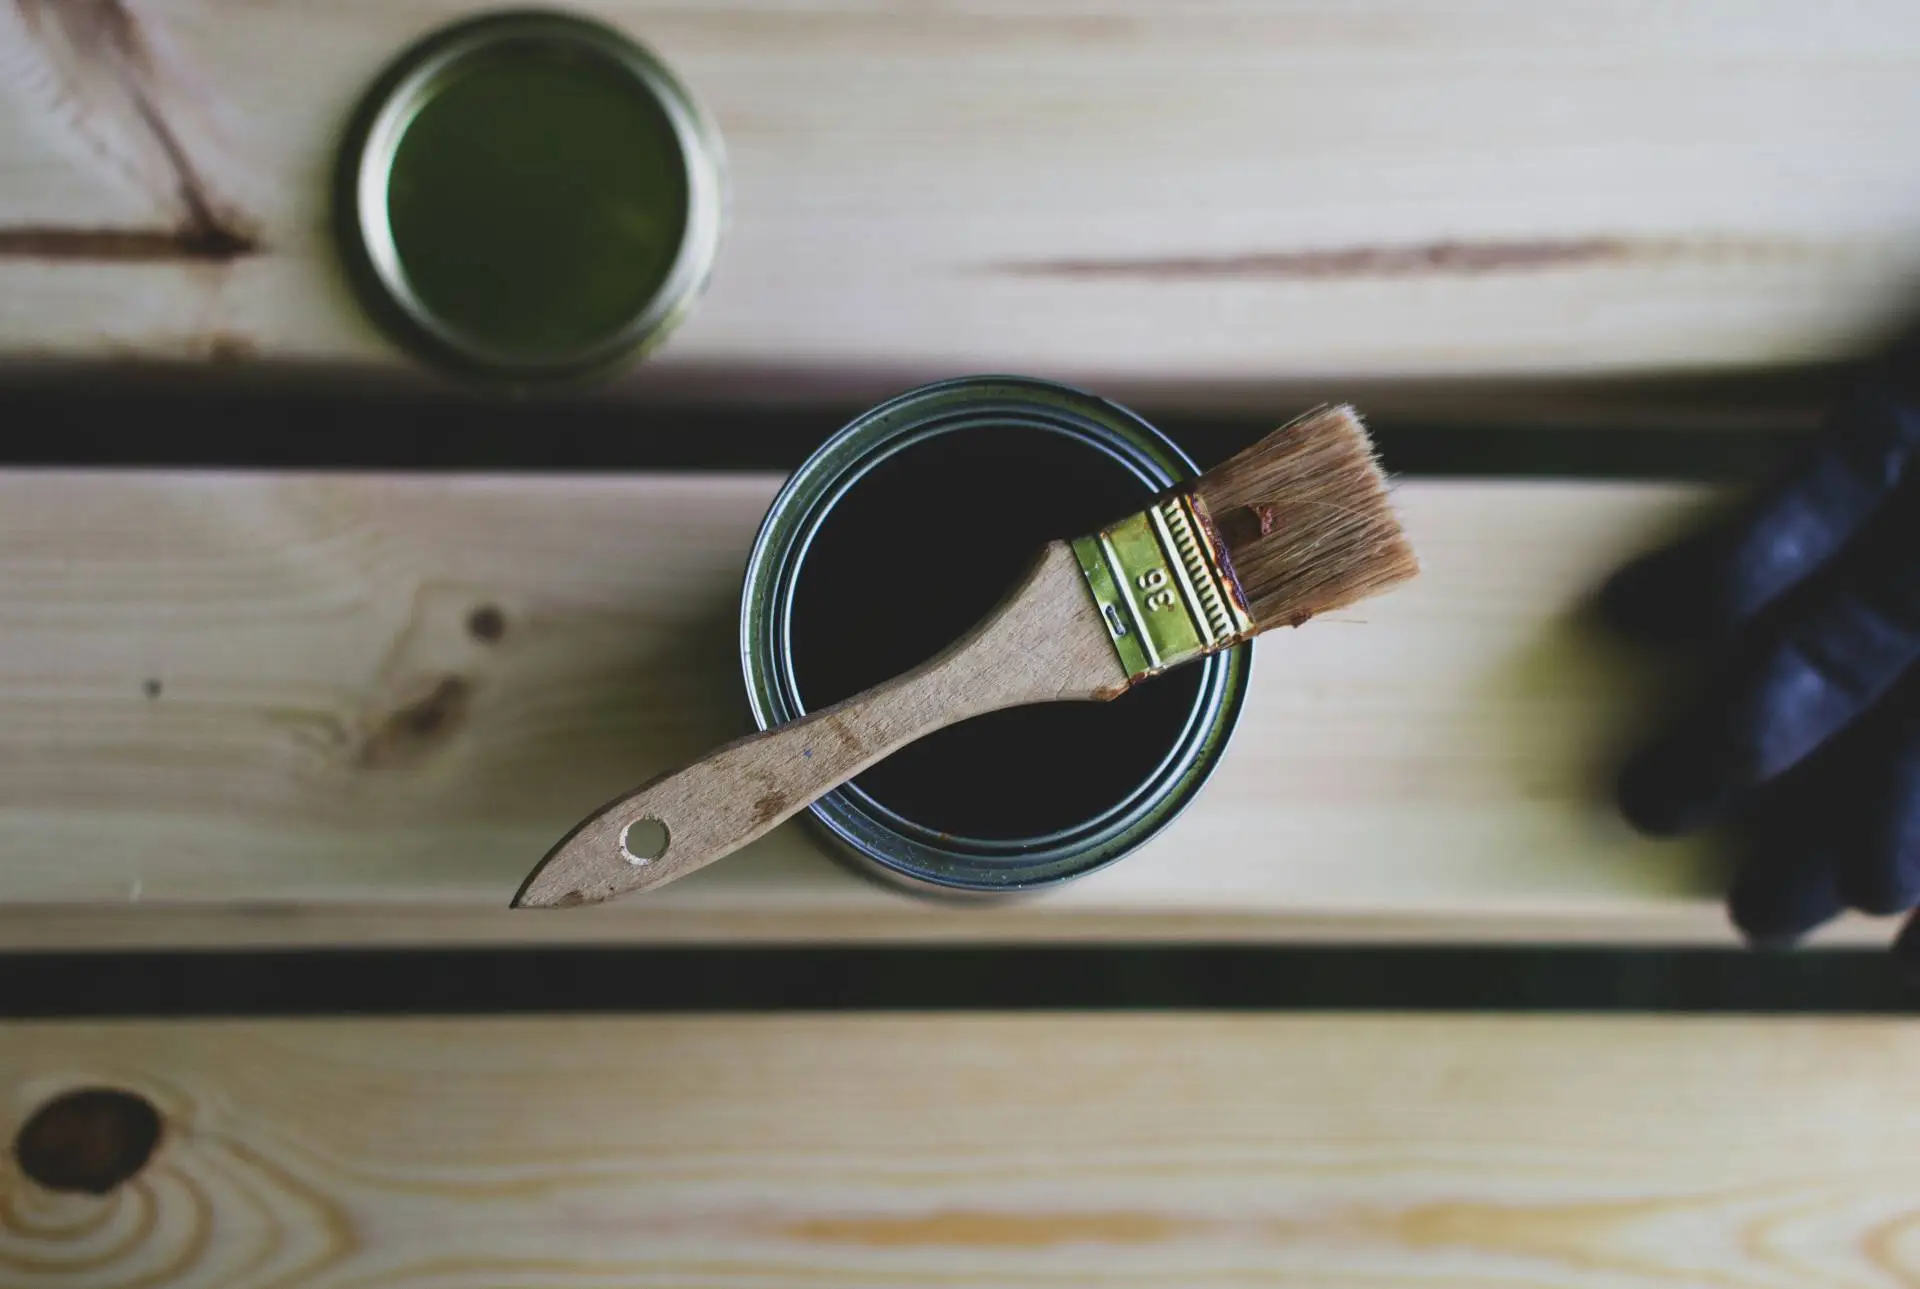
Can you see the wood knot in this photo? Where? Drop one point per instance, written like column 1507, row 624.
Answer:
column 487, row 624
column 90, row 1140
column 415, row 727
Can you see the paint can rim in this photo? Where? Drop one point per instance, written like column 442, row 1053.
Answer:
column 879, row 840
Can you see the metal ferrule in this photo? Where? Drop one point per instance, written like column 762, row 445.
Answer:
column 1162, row 587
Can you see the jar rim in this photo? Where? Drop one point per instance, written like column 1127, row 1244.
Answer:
column 415, row 79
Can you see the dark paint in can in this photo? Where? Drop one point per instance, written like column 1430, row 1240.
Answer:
column 900, row 533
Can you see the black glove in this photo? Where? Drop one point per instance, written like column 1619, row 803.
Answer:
column 1807, row 737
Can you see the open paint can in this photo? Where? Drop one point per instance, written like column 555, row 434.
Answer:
column 893, row 539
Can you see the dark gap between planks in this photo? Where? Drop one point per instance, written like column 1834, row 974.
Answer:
column 975, row 978
column 1706, row 429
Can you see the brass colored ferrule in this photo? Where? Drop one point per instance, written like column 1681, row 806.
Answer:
column 1162, row 587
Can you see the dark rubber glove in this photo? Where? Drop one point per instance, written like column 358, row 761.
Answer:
column 1807, row 737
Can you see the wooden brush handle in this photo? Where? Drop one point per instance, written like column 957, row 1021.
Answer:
column 1045, row 642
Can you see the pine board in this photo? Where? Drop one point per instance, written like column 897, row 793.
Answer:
column 254, row 709
column 1326, row 1152
column 1204, row 195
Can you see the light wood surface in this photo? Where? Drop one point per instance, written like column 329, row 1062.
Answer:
column 1045, row 643
column 1381, row 1151
column 293, row 709
column 1117, row 191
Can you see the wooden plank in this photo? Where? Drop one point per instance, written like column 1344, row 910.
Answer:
column 883, row 1151
column 297, row 709
column 1244, row 190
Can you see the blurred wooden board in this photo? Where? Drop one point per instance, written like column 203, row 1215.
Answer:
column 1049, row 1150
column 270, row 709
column 1236, row 191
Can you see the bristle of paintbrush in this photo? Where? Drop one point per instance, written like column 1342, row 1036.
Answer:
column 1304, row 521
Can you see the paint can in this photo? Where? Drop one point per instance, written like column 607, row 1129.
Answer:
column 893, row 538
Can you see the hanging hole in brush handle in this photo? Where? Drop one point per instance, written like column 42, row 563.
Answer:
column 645, row 840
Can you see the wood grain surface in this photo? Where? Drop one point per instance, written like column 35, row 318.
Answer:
column 1107, row 190
column 903, row 1151
column 275, row 709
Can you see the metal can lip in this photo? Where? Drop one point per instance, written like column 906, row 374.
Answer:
column 373, row 140
column 880, row 840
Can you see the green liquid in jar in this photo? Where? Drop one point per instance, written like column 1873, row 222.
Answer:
column 538, row 201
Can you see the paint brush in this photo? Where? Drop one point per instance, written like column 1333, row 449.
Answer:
column 1298, row 524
